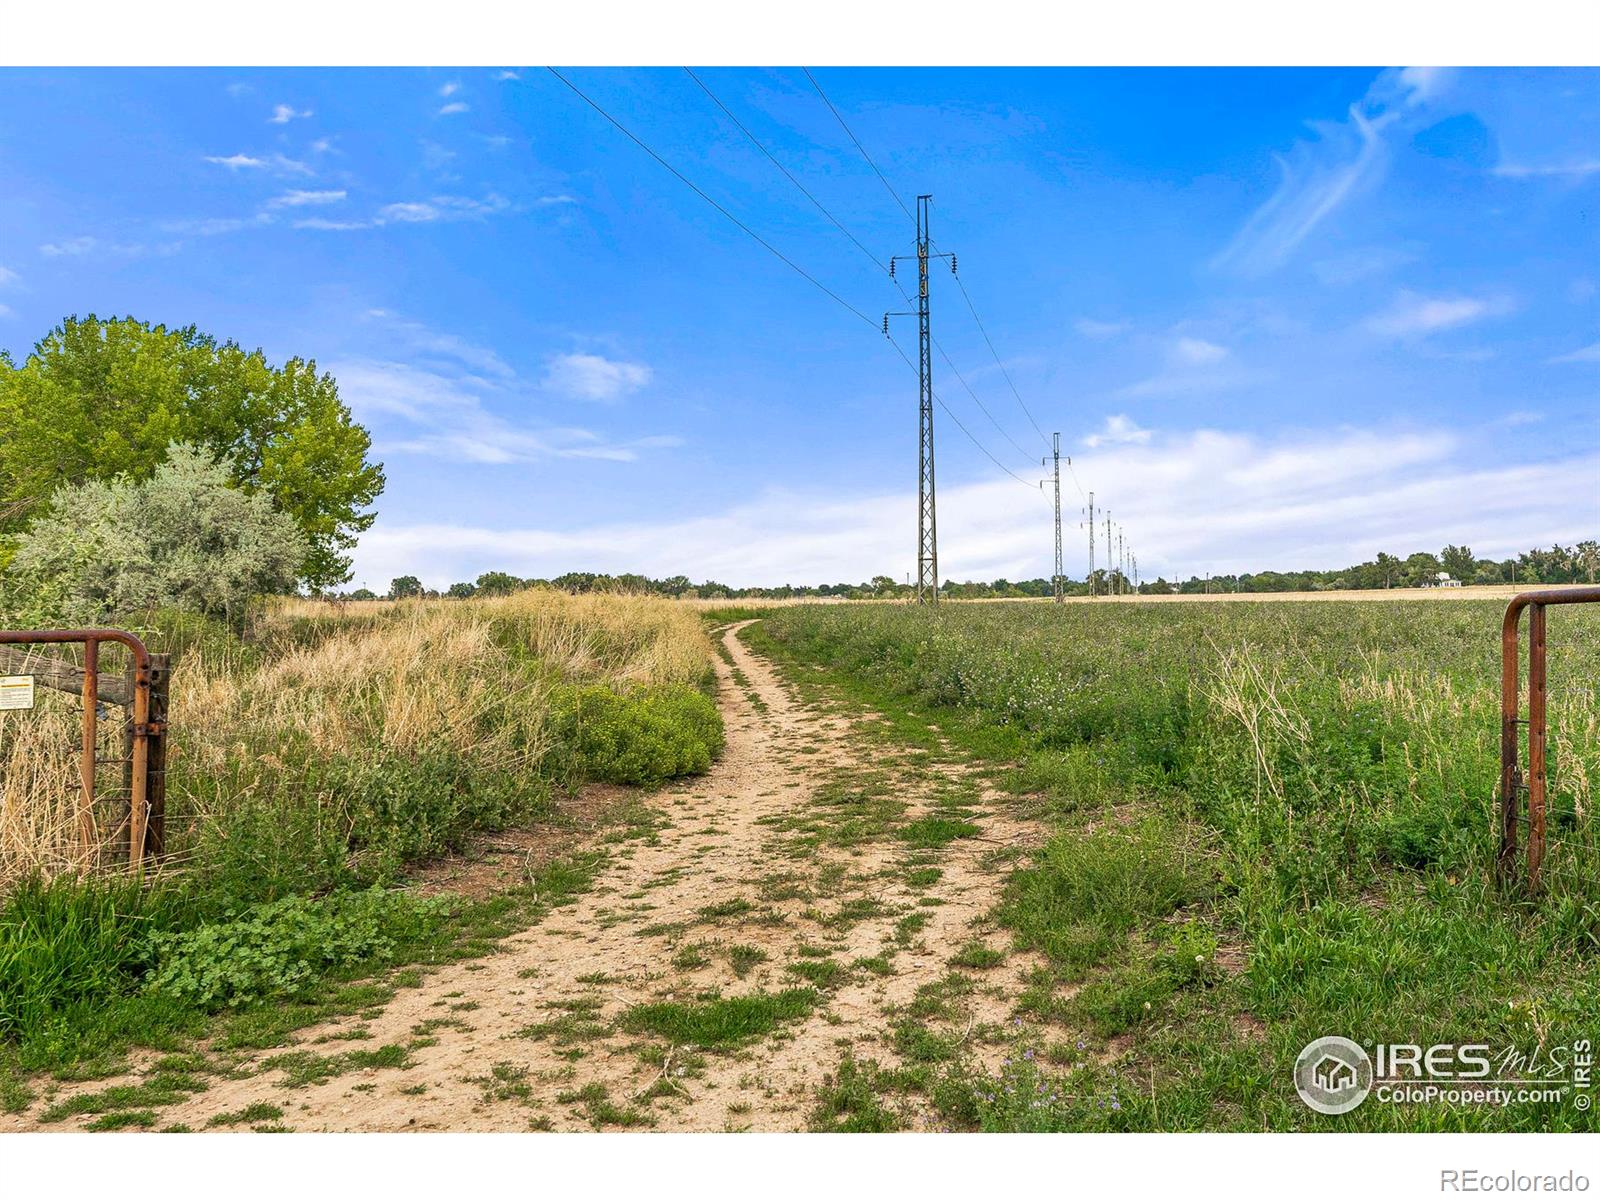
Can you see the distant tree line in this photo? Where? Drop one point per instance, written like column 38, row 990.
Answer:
column 1559, row 564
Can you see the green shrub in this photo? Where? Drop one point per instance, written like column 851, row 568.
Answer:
column 283, row 949
column 643, row 736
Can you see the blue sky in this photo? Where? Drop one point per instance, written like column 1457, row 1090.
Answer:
column 1281, row 318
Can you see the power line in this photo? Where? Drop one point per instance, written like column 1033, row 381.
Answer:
column 859, row 146
column 998, row 363
column 842, row 228
column 785, row 259
column 766, row 245
column 951, row 414
column 754, row 141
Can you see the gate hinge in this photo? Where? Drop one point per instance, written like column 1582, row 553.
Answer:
column 150, row 729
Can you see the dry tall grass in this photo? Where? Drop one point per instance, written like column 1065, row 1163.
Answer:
column 352, row 680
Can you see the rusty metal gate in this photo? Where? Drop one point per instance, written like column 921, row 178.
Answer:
column 1514, row 864
column 136, row 832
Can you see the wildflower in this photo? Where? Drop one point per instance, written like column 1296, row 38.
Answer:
column 1028, row 1054
column 1081, row 1043
column 1116, row 1106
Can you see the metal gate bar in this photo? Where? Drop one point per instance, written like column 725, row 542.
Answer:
column 140, row 726
column 1512, row 784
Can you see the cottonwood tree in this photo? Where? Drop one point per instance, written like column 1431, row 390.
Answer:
column 103, row 399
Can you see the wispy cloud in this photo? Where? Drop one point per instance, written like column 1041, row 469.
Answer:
column 1317, row 177
column 441, row 208
column 593, row 377
column 9, row 278
column 454, row 107
column 1118, row 430
column 503, row 76
column 1100, row 331
column 326, row 224
column 70, row 247
column 282, row 114
column 299, row 199
column 1416, row 315
column 1577, row 169
column 449, row 89
column 1198, row 351
column 275, row 163
column 1589, row 354
column 213, row 226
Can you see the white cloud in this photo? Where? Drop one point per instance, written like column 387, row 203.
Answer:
column 441, row 208
column 1199, row 352
column 454, row 107
column 449, row 89
column 1100, row 331
column 1588, row 354
column 592, row 377
column 503, row 76
column 1118, row 430
column 408, row 212
column 70, row 247
column 278, row 164
column 1209, row 500
column 1413, row 315
column 9, row 278
column 212, row 226
column 299, row 199
column 282, row 114
column 442, row 412
column 1577, row 169
column 1317, row 178
column 325, row 224
column 5, row 311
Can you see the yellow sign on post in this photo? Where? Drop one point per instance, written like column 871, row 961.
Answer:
column 16, row 691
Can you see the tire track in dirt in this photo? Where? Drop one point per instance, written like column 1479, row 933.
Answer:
column 736, row 888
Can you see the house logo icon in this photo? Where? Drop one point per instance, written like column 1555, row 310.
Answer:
column 1333, row 1075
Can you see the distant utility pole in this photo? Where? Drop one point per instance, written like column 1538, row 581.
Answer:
column 1057, row 586
column 1110, row 577
column 1122, row 564
column 927, row 523
column 1093, row 590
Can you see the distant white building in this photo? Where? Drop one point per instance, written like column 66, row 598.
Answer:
column 1442, row 579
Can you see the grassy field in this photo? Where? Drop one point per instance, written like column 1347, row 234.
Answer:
column 1270, row 823
column 314, row 760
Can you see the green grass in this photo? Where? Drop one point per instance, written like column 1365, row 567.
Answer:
column 721, row 1023
column 1267, row 823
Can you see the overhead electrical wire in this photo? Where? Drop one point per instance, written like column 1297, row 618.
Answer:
column 971, row 307
column 842, row 228
column 773, row 250
column 859, row 146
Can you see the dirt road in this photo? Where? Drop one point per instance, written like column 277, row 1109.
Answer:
column 824, row 872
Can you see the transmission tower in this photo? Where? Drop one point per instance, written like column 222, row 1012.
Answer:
column 1111, row 581
column 927, row 523
column 1093, row 590
column 1057, row 581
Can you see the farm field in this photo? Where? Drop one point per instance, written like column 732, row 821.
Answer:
column 994, row 867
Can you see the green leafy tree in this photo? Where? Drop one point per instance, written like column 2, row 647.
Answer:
column 363, row 594
column 498, row 583
column 1459, row 562
column 462, row 591
column 100, row 399
column 404, row 588
column 183, row 538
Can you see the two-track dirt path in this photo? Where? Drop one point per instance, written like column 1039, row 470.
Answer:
column 740, row 875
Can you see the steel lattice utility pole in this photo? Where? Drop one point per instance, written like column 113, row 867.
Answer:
column 1093, row 590
column 927, row 521
column 1057, row 584
column 1111, row 580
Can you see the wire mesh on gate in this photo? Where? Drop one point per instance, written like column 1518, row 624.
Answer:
column 1533, row 849
column 113, row 804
